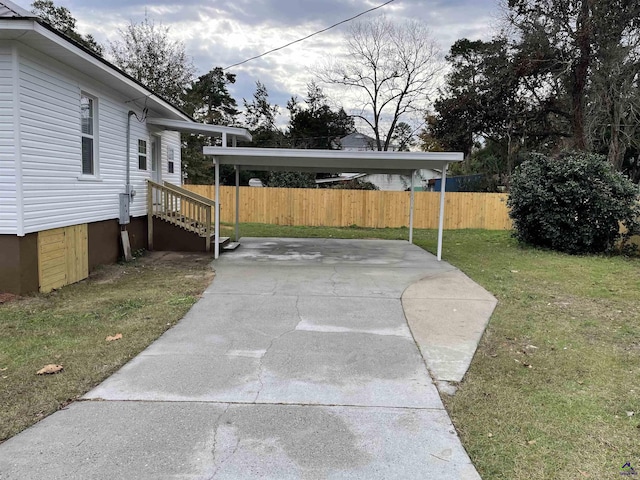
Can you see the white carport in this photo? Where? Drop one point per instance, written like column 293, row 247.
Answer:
column 329, row 161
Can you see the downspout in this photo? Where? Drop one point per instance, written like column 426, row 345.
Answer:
column 128, row 190
column 127, row 197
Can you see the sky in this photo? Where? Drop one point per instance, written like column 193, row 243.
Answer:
column 225, row 32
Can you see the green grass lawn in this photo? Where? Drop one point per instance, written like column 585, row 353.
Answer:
column 69, row 326
column 554, row 389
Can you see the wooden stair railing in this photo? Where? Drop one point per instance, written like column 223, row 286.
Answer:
column 189, row 193
column 179, row 207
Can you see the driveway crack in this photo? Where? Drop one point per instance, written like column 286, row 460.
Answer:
column 215, row 433
column 333, row 281
column 273, row 341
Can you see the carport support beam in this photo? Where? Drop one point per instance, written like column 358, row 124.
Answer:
column 411, row 207
column 441, row 217
column 237, row 202
column 216, row 246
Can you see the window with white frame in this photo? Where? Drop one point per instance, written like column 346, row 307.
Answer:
column 170, row 164
column 88, row 108
column 142, row 154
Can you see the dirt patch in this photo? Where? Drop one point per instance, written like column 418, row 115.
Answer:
column 192, row 262
column 7, row 297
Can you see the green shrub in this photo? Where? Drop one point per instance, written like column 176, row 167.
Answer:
column 292, row 180
column 574, row 203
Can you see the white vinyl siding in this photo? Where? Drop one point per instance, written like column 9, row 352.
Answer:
column 8, row 191
column 56, row 194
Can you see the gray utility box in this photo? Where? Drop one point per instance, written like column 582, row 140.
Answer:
column 125, row 201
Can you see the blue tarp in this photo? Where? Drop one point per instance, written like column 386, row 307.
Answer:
column 454, row 184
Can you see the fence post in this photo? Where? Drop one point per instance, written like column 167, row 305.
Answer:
column 411, row 207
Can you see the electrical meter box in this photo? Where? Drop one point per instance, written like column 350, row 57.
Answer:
column 125, row 200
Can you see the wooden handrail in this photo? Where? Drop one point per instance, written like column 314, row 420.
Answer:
column 179, row 207
column 184, row 191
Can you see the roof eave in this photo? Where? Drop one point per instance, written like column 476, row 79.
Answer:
column 200, row 128
column 23, row 27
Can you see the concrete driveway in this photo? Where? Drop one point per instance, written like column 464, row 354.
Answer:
column 298, row 362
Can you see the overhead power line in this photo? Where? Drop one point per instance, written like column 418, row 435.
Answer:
column 309, row 36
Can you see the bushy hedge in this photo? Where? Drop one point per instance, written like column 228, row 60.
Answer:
column 573, row 203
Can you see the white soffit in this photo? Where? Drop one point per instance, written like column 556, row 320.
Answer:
column 331, row 160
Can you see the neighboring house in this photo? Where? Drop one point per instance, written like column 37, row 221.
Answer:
column 360, row 142
column 69, row 121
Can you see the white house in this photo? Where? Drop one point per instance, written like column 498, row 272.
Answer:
column 79, row 140
column 359, row 142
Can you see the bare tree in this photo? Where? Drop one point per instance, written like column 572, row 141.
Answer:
column 391, row 71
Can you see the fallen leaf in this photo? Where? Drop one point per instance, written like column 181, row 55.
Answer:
column 531, row 442
column 110, row 338
column 50, row 369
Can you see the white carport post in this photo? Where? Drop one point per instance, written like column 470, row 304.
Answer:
column 237, row 202
column 411, row 206
column 216, row 247
column 441, row 217
column 234, row 143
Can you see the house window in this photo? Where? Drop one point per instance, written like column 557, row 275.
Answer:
column 170, row 164
column 88, row 130
column 142, row 154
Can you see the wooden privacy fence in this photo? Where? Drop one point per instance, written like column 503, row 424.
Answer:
column 364, row 208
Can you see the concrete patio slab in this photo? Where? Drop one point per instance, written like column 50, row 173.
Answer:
column 448, row 314
column 329, row 251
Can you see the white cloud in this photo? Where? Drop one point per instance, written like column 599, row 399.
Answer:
column 225, row 32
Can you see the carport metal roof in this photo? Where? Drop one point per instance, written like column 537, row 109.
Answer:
column 330, row 161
